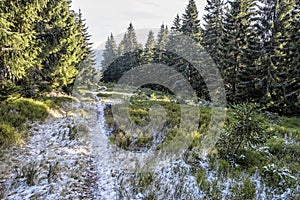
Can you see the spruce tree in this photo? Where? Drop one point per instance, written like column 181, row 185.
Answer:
column 130, row 40
column 162, row 41
column 18, row 43
column 162, row 38
column 130, row 56
column 280, row 84
column 121, row 47
column 110, row 52
column 237, row 28
column 87, row 73
column 284, row 94
column 173, row 40
column 190, row 22
column 85, row 36
column 62, row 46
column 176, row 24
column 150, row 48
column 41, row 45
column 213, row 33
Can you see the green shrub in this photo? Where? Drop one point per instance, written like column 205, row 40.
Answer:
column 104, row 95
column 202, row 181
column 246, row 190
column 223, row 167
column 8, row 134
column 31, row 109
column 278, row 177
column 15, row 112
column 144, row 139
column 145, row 179
column 290, row 122
column 215, row 193
column 245, row 130
column 123, row 140
column 55, row 102
column 248, row 158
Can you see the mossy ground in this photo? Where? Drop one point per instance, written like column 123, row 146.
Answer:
column 16, row 111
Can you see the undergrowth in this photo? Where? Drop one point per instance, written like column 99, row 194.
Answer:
column 253, row 145
column 16, row 111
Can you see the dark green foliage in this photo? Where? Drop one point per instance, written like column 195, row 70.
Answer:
column 42, row 44
column 191, row 23
column 130, row 56
column 279, row 177
column 279, row 80
column 245, row 130
column 121, row 65
column 145, row 179
column 213, row 32
column 254, row 44
column 236, row 27
column 245, row 191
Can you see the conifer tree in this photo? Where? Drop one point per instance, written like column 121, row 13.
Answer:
column 150, row 48
column 191, row 23
column 18, row 44
column 110, row 52
column 284, row 94
column 162, row 37
column 173, row 40
column 237, row 28
column 121, row 47
column 162, row 41
column 213, row 33
column 280, row 85
column 85, row 36
column 87, row 73
column 42, row 43
column 130, row 40
column 176, row 24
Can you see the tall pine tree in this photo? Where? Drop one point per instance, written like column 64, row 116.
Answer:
column 149, row 48
column 213, row 33
column 191, row 23
column 110, row 52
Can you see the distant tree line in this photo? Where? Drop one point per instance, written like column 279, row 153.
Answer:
column 255, row 45
column 43, row 45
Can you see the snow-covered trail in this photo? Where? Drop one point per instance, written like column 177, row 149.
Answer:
column 65, row 157
column 71, row 157
column 102, row 158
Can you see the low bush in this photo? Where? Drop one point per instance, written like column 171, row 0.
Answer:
column 15, row 112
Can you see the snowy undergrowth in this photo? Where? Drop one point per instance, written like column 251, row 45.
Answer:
column 51, row 165
column 173, row 181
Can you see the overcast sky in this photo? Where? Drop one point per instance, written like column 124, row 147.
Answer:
column 106, row 16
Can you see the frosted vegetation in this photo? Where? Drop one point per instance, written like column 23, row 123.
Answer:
column 73, row 152
column 57, row 146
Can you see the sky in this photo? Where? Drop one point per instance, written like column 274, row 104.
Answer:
column 113, row 16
